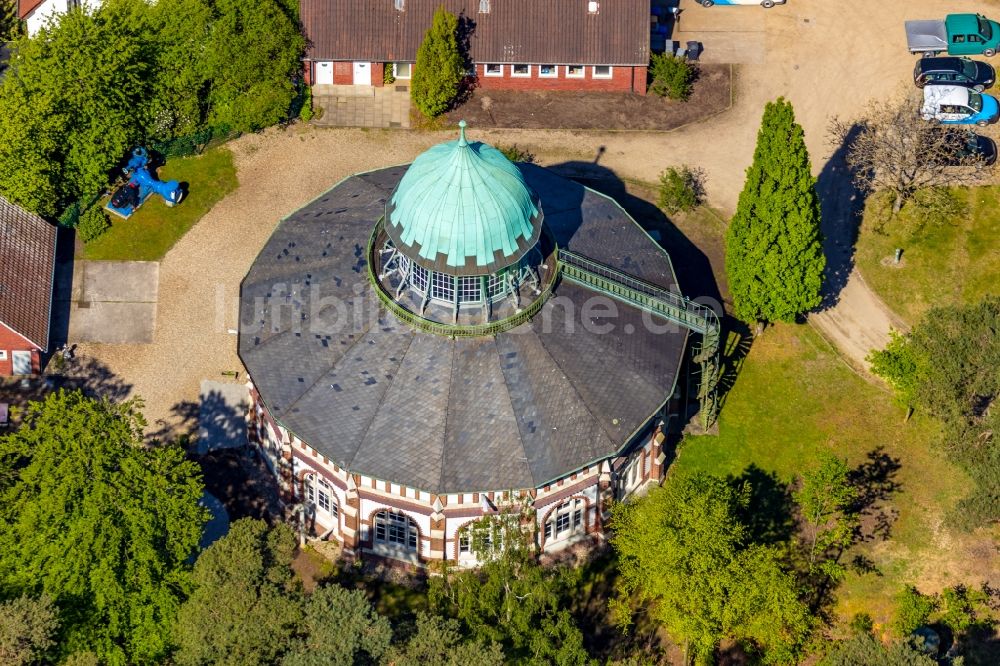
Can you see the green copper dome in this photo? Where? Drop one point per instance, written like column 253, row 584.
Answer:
column 463, row 208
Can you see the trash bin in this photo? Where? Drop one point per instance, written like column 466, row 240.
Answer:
column 693, row 50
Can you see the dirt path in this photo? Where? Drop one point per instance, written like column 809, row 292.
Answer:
column 828, row 57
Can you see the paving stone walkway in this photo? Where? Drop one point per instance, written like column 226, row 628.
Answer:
column 362, row 106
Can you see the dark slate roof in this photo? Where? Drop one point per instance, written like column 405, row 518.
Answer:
column 553, row 32
column 442, row 415
column 27, row 260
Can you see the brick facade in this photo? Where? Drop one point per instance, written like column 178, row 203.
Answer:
column 11, row 342
column 439, row 519
column 623, row 79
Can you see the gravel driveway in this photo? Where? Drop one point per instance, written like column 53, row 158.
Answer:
column 827, row 56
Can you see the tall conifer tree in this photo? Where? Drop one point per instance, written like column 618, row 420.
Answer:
column 774, row 249
column 440, row 66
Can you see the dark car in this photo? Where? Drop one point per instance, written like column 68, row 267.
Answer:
column 964, row 147
column 954, row 71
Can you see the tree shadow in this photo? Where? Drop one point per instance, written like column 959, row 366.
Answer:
column 842, row 204
column 466, row 29
column 769, row 515
column 737, row 339
column 242, row 481
column 875, row 483
column 602, row 638
column 89, row 375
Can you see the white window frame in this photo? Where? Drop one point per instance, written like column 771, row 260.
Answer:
column 3, row 354
column 581, row 74
column 594, row 74
column 419, row 278
column 568, row 519
column 487, row 72
column 396, row 529
column 470, row 289
column 515, row 75
column 442, row 287
column 553, row 72
column 396, row 73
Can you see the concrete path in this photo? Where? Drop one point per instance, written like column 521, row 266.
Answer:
column 362, row 106
column 113, row 302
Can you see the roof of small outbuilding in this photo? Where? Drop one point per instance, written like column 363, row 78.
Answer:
column 555, row 32
column 27, row 262
column 512, row 411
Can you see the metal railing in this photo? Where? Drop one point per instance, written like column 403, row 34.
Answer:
column 671, row 306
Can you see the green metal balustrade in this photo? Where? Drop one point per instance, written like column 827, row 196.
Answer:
column 671, row 306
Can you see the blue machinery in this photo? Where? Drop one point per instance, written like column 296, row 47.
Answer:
column 141, row 184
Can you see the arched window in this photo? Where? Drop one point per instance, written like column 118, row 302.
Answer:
column 396, row 529
column 566, row 520
column 319, row 493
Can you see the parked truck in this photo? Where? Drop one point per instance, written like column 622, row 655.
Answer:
column 957, row 34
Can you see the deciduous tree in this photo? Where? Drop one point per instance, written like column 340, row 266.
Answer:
column 774, row 253
column 99, row 522
column 891, row 148
column 511, row 599
column 440, row 66
column 251, row 59
column 684, row 554
column 947, row 366
column 71, row 104
column 825, row 499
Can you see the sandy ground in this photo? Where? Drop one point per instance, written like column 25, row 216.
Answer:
column 827, row 56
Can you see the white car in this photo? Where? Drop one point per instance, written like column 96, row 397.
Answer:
column 958, row 105
column 766, row 4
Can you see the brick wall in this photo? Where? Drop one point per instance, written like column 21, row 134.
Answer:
column 343, row 73
column 623, row 79
column 10, row 342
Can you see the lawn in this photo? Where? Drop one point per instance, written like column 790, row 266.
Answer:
column 949, row 263
column 154, row 228
column 794, row 398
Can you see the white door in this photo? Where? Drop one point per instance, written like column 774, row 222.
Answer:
column 324, row 73
column 21, row 361
column 362, row 73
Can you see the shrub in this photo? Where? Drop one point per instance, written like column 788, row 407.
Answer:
column 306, row 112
column 93, row 223
column 897, row 364
column 680, row 189
column 912, row 610
column 671, row 76
column 862, row 623
column 389, row 73
column 516, row 154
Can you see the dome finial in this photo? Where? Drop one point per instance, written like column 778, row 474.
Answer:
column 461, row 135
